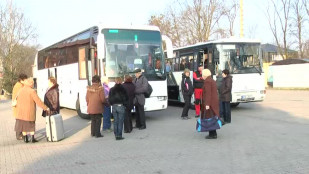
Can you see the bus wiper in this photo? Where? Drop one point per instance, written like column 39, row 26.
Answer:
column 257, row 69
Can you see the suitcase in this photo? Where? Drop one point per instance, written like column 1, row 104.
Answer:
column 54, row 128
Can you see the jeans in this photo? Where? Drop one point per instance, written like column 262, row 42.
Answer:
column 225, row 111
column 119, row 112
column 107, row 118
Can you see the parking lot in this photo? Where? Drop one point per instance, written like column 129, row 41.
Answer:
column 265, row 137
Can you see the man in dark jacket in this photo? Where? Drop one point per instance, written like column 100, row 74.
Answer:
column 141, row 86
column 226, row 96
column 187, row 91
column 119, row 100
column 95, row 105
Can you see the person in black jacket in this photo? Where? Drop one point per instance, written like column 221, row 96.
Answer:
column 118, row 98
column 187, row 91
column 130, row 88
column 226, row 96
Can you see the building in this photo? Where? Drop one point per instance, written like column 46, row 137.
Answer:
column 270, row 53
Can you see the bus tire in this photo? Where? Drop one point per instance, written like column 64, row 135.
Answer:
column 234, row 105
column 79, row 112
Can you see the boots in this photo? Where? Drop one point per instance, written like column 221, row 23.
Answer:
column 33, row 140
column 25, row 137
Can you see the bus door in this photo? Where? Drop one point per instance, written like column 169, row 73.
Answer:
column 42, row 86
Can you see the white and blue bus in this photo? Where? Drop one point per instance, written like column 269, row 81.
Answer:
column 105, row 51
column 242, row 57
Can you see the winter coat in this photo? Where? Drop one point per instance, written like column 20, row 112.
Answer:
column 210, row 98
column 51, row 100
column 141, row 87
column 226, row 89
column 130, row 88
column 186, row 85
column 95, row 99
column 26, row 104
column 118, row 95
column 17, row 87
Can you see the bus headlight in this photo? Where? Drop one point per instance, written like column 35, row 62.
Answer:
column 162, row 98
column 263, row 91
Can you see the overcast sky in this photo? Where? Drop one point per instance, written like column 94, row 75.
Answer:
column 55, row 20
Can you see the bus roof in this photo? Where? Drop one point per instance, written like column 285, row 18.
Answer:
column 225, row 40
column 130, row 27
column 100, row 27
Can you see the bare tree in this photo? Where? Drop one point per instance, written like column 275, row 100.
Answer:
column 298, row 24
column 195, row 21
column 15, row 32
column 169, row 25
column 280, row 12
column 201, row 19
column 230, row 12
column 306, row 4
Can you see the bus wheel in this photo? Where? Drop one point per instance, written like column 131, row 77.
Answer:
column 79, row 112
column 234, row 105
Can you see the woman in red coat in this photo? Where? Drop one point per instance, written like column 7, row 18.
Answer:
column 210, row 100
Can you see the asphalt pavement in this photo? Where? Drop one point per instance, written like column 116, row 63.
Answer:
column 265, row 137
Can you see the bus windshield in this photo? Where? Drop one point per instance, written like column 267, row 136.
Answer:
column 127, row 50
column 240, row 58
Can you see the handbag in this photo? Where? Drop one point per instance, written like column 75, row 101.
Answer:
column 208, row 124
column 14, row 101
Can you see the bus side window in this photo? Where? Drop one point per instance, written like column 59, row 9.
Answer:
column 82, row 62
column 176, row 65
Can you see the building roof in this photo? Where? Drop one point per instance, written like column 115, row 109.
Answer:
column 272, row 48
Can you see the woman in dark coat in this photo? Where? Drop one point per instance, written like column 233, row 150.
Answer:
column 51, row 98
column 187, row 91
column 130, row 88
column 210, row 101
column 226, row 96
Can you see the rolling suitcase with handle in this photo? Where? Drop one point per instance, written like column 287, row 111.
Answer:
column 54, row 128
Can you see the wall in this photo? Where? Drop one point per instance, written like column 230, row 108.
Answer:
column 291, row 76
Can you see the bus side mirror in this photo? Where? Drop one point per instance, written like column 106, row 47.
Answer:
column 169, row 46
column 100, row 46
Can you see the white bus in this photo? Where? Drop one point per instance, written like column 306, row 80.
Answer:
column 105, row 51
column 242, row 57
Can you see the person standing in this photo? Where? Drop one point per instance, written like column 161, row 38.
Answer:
column 26, row 110
column 226, row 96
column 15, row 93
column 168, row 66
column 130, row 88
column 95, row 105
column 210, row 101
column 198, row 82
column 141, row 86
column 183, row 65
column 187, row 91
column 107, row 108
column 118, row 98
column 51, row 98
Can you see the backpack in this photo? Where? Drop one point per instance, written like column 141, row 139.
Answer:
column 149, row 91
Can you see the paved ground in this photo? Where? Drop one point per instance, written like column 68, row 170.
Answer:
column 268, row 137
